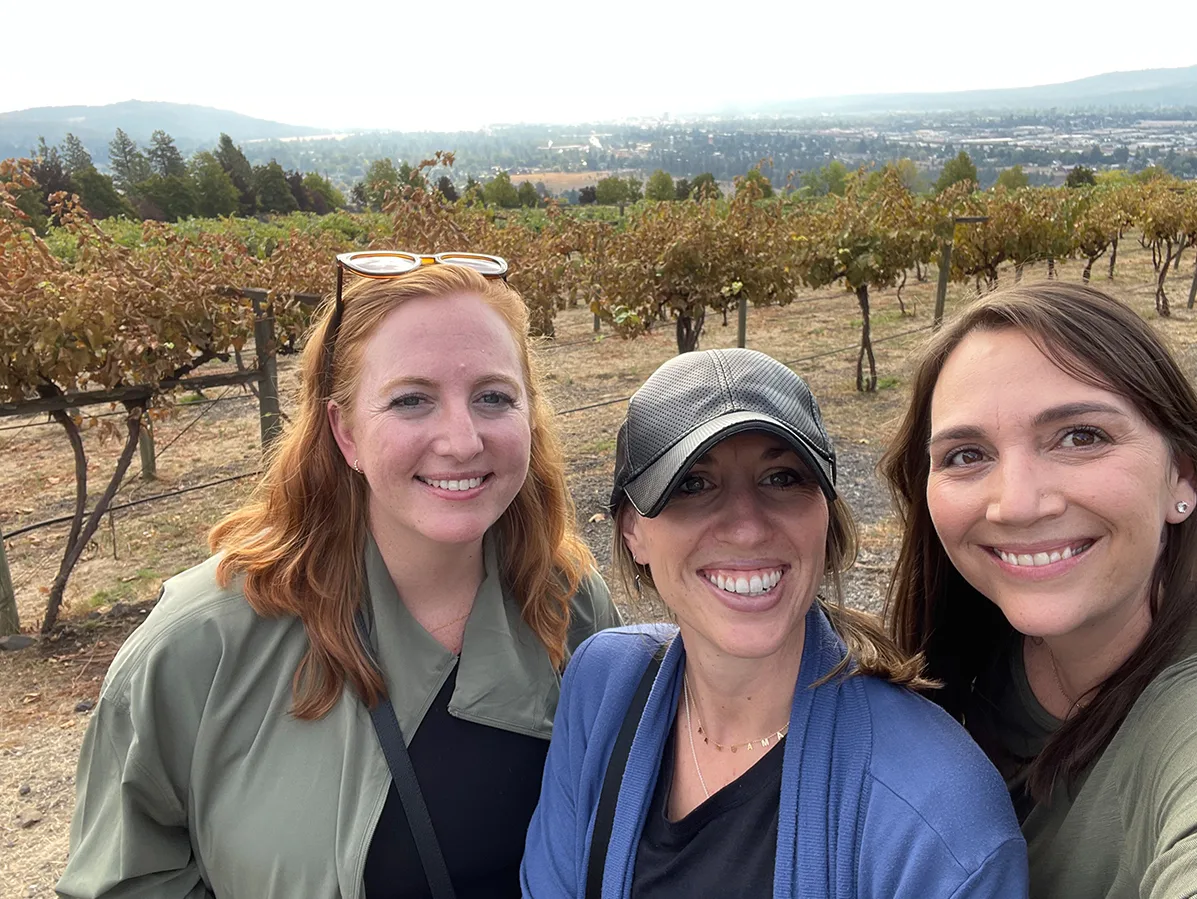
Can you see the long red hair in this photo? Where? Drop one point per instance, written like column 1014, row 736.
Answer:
column 298, row 541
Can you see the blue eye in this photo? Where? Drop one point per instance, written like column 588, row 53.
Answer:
column 496, row 398
column 408, row 401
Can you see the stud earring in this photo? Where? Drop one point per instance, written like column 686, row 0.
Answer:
column 1182, row 507
column 356, row 467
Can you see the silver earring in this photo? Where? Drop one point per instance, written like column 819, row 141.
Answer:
column 637, row 582
column 1182, row 507
column 356, row 467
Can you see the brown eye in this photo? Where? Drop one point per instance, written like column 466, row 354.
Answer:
column 966, row 456
column 1082, row 438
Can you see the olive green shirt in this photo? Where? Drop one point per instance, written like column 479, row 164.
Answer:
column 1128, row 828
column 197, row 781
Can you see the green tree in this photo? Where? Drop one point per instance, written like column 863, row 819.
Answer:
column 528, row 195
column 611, row 191
column 75, row 157
column 216, row 194
column 681, row 189
column 705, row 187
column 754, row 177
column 660, row 187
column 382, row 178
column 99, row 195
column 446, row 189
column 474, row 192
column 961, row 168
column 1081, row 176
column 831, row 180
column 273, row 192
column 233, row 161
column 588, row 195
column 499, row 191
column 164, row 156
column 1013, row 178
column 166, row 198
column 635, row 192
column 325, row 198
column 129, row 165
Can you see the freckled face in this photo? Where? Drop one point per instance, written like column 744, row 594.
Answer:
column 739, row 551
column 440, row 425
column 1050, row 495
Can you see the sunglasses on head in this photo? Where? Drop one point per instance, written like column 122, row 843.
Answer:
column 385, row 264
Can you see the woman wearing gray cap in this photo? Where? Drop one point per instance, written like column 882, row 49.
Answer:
column 765, row 745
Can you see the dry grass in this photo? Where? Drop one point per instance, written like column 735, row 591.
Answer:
column 40, row 732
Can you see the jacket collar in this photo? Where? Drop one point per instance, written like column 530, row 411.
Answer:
column 504, row 676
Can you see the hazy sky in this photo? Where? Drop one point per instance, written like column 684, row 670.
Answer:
column 462, row 65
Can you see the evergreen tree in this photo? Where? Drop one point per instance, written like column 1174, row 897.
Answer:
column 164, row 156
column 74, row 155
column 233, row 161
column 587, row 195
column 446, row 189
column 166, row 198
column 681, row 189
column 129, row 165
column 1081, row 176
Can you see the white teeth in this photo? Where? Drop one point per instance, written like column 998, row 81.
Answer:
column 464, row 484
column 1035, row 560
column 747, row 585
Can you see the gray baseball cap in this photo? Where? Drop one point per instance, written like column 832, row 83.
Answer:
column 694, row 401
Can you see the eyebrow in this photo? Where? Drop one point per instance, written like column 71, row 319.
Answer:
column 428, row 383
column 1046, row 417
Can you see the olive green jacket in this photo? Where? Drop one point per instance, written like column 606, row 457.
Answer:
column 197, row 781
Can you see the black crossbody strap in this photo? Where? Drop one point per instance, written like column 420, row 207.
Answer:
column 390, row 737
column 604, row 818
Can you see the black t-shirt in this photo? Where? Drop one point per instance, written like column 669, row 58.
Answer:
column 725, row 847
column 481, row 785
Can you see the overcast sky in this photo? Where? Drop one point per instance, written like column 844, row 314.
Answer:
column 372, row 64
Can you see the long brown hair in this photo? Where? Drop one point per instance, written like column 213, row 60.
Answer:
column 932, row 609
column 299, row 540
column 869, row 646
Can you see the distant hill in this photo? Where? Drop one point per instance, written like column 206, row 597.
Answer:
column 1146, row 89
column 190, row 126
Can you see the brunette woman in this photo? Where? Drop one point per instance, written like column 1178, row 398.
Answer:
column 410, row 556
column 1048, row 573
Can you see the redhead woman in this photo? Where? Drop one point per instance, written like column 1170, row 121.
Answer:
column 765, row 745
column 1048, row 572
column 353, row 697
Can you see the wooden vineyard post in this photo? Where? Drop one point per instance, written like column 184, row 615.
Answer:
column 268, row 408
column 945, row 265
column 145, row 446
column 742, row 323
column 597, row 323
column 941, row 289
column 10, row 623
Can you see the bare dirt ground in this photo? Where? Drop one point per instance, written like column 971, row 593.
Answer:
column 46, row 691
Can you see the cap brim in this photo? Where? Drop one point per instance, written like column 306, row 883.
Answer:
column 650, row 491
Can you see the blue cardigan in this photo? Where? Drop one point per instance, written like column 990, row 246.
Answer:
column 883, row 795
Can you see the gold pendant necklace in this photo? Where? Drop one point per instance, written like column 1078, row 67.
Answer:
column 719, row 747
